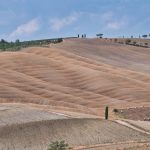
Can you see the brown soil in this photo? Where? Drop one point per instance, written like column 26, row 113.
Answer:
column 118, row 146
column 136, row 113
column 76, row 132
column 78, row 75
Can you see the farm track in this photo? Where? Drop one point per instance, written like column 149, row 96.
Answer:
column 118, row 146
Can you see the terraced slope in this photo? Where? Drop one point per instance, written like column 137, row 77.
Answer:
column 77, row 75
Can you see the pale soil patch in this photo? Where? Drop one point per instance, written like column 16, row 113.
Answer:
column 17, row 114
column 135, row 113
column 118, row 146
column 76, row 132
column 145, row 125
column 134, row 126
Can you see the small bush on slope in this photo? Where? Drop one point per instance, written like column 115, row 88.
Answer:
column 59, row 146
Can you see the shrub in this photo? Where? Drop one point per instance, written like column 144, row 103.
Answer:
column 127, row 41
column 58, row 146
column 134, row 42
column 115, row 110
column 115, row 40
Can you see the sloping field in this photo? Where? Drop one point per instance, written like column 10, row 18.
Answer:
column 118, row 146
column 37, row 135
column 11, row 114
column 33, row 128
column 141, row 124
column 135, row 113
column 80, row 75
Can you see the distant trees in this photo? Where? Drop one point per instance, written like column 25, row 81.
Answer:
column 144, row 36
column 3, row 41
column 59, row 40
column 99, row 35
column 83, row 35
column 17, row 41
column 17, row 45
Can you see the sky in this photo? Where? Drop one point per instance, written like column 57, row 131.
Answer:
column 42, row 19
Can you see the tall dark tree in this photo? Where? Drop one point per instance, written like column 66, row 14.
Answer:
column 106, row 112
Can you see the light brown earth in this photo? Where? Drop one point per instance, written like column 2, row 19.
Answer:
column 73, row 79
column 77, row 75
column 118, row 146
column 135, row 113
column 37, row 135
column 138, row 41
column 141, row 124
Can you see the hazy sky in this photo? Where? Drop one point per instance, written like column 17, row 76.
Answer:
column 36, row 19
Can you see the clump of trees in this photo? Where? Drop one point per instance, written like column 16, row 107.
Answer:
column 59, row 146
column 17, row 45
column 144, row 36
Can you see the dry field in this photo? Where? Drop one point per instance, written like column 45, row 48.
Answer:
column 118, row 146
column 145, row 125
column 135, row 113
column 77, row 75
column 140, row 41
column 38, row 134
column 11, row 114
column 73, row 79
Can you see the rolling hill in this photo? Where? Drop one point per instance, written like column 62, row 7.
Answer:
column 78, row 75
column 58, row 92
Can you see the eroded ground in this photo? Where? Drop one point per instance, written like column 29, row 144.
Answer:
column 135, row 113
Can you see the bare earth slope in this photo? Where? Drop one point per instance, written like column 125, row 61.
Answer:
column 77, row 75
column 37, row 135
